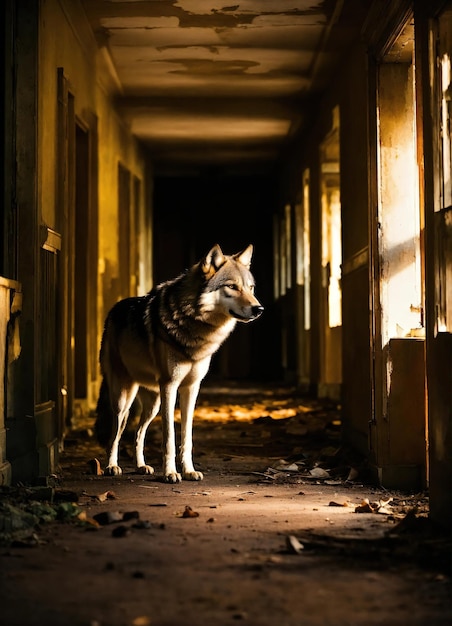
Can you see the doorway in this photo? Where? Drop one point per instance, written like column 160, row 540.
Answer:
column 331, row 256
column 81, row 262
column 398, row 432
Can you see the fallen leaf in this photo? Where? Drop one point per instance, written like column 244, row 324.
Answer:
column 83, row 517
column 292, row 467
column 384, row 510
column 366, row 507
column 95, row 467
column 107, row 495
column 332, row 503
column 374, row 507
column 318, row 472
column 383, row 507
column 189, row 512
column 293, row 545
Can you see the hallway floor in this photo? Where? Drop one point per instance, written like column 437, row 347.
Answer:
column 284, row 530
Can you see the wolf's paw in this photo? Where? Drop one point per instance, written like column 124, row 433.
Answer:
column 145, row 469
column 172, row 477
column 194, row 475
column 113, row 470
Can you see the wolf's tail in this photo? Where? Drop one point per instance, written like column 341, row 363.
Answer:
column 104, row 418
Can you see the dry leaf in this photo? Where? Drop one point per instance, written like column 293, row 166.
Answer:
column 366, row 507
column 107, row 495
column 95, row 467
column 318, row 472
column 189, row 512
column 287, row 467
column 293, row 545
column 82, row 517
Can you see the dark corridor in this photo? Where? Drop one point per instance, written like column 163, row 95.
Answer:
column 191, row 214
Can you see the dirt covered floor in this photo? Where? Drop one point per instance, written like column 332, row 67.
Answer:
column 286, row 529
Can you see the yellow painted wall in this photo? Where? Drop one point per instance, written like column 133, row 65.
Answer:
column 66, row 41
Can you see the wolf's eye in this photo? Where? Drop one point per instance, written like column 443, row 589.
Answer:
column 232, row 286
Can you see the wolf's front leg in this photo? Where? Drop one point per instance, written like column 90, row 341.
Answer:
column 188, row 396
column 168, row 396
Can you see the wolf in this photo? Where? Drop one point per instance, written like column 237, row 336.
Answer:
column 161, row 345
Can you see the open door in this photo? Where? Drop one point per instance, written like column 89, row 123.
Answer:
column 331, row 292
column 398, row 430
column 81, row 243
column 303, row 284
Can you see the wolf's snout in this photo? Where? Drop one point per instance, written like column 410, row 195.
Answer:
column 257, row 310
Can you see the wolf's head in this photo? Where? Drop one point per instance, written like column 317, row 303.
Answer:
column 229, row 286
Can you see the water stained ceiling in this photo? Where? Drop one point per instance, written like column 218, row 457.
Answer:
column 205, row 83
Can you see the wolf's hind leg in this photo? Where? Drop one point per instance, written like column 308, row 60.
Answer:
column 169, row 395
column 188, row 395
column 121, row 404
column 151, row 405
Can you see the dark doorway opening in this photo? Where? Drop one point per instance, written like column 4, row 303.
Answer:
column 81, row 261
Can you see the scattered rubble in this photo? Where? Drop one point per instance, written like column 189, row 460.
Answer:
column 305, row 430
column 296, row 516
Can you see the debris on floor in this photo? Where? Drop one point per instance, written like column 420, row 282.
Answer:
column 249, row 428
column 294, row 511
column 188, row 512
column 24, row 509
column 413, row 540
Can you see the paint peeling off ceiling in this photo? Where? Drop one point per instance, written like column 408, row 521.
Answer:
column 197, row 71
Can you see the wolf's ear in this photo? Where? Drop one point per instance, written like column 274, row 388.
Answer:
column 244, row 257
column 213, row 260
